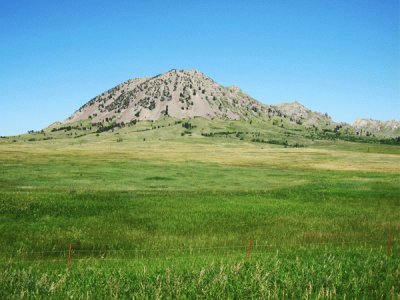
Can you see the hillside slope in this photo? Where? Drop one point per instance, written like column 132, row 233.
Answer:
column 188, row 103
column 179, row 94
column 375, row 127
column 184, row 94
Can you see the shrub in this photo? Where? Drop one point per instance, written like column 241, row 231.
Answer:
column 188, row 125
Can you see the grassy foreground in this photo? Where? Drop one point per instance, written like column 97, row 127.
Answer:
column 173, row 219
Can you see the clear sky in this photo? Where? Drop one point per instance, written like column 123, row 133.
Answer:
column 340, row 57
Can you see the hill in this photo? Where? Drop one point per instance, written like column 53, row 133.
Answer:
column 376, row 127
column 187, row 102
column 184, row 94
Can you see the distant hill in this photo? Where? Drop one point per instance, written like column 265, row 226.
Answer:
column 184, row 94
column 375, row 127
column 183, row 103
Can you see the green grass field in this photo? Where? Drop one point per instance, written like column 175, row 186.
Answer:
column 156, row 214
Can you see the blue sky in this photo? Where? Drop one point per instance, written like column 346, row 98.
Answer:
column 340, row 57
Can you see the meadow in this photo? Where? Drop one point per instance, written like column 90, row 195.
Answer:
column 170, row 216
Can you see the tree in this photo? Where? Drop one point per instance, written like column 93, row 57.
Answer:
column 187, row 125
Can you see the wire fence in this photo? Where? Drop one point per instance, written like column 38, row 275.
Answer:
column 74, row 252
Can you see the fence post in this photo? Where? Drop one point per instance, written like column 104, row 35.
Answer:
column 69, row 256
column 249, row 249
column 388, row 245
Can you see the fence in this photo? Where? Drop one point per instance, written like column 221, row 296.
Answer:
column 245, row 249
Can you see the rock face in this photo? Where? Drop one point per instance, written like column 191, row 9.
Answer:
column 387, row 128
column 177, row 93
column 301, row 114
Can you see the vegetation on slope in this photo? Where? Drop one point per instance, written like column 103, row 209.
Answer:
column 274, row 130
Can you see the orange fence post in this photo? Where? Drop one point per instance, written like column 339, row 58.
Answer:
column 249, row 249
column 388, row 248
column 69, row 256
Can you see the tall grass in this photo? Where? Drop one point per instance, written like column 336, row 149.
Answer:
column 147, row 221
